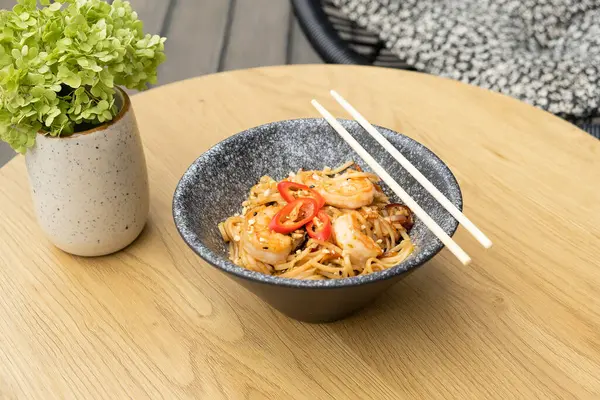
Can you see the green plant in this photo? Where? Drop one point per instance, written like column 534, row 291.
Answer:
column 59, row 64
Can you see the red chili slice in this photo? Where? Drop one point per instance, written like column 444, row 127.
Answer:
column 320, row 231
column 282, row 222
column 287, row 190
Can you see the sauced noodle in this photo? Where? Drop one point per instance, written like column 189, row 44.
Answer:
column 381, row 227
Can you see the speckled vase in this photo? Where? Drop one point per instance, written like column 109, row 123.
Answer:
column 90, row 190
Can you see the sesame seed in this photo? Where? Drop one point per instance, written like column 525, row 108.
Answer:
column 262, row 240
column 298, row 251
column 363, row 227
column 251, row 221
column 379, row 241
column 326, row 251
column 236, row 238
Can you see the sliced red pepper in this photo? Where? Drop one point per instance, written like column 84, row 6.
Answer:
column 282, row 223
column 319, row 231
column 287, row 190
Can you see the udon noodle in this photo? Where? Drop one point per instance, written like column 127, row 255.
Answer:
column 353, row 228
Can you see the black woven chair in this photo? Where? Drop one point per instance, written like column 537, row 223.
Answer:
column 338, row 40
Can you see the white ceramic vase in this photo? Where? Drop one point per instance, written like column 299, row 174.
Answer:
column 90, row 190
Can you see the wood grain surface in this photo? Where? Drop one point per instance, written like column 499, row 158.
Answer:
column 154, row 321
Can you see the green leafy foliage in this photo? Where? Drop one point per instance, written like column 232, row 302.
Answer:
column 60, row 63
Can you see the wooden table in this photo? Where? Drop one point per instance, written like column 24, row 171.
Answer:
column 154, row 321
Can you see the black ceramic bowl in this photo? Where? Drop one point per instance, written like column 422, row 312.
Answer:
column 215, row 185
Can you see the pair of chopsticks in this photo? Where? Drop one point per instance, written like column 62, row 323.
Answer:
column 408, row 166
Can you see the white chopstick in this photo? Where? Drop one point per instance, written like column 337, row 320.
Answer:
column 405, row 197
column 426, row 183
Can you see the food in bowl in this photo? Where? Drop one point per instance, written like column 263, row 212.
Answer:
column 319, row 224
column 216, row 184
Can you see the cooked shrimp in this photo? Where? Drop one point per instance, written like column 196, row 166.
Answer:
column 349, row 236
column 350, row 190
column 259, row 241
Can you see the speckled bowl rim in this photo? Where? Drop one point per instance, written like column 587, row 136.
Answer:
column 226, row 265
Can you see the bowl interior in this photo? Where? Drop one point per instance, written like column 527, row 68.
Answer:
column 215, row 185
